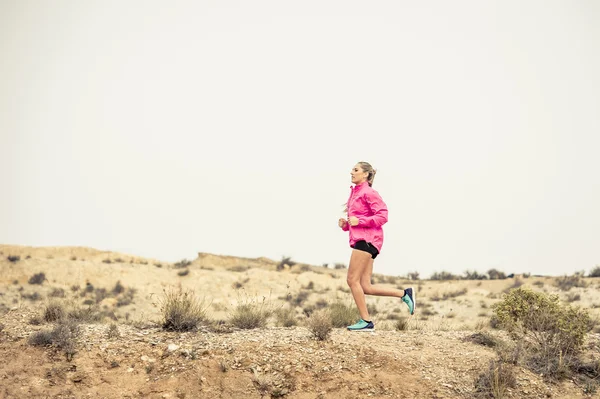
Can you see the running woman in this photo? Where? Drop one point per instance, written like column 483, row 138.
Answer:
column 366, row 214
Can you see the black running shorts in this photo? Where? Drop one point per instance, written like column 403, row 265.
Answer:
column 362, row 245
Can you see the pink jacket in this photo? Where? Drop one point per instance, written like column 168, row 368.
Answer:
column 366, row 204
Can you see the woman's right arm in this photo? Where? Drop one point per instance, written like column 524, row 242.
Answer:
column 343, row 223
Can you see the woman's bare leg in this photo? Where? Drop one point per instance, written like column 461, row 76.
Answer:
column 369, row 289
column 359, row 263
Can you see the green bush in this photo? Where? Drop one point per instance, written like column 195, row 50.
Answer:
column 553, row 333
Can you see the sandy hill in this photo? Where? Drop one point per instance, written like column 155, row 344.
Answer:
column 125, row 353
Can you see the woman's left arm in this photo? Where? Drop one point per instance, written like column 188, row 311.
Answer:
column 378, row 208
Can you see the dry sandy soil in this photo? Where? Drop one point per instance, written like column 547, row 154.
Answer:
column 129, row 355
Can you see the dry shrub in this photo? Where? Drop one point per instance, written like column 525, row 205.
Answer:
column 320, row 324
column 86, row 314
column 13, row 258
column 443, row 276
column 112, row 331
column 238, row 268
column 37, row 278
column 57, row 293
column 182, row 263
column 595, row 272
column 183, row 272
column 572, row 297
column 181, row 311
column 401, row 324
column 251, row 313
column 496, row 381
column 517, row 282
column 285, row 317
column 286, row 260
column 496, row 274
column 118, row 288
column 63, row 336
column 126, row 297
column 483, row 338
column 54, row 311
column 343, row 315
column 454, row 294
column 565, row 283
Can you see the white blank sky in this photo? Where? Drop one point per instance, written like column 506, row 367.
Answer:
column 166, row 128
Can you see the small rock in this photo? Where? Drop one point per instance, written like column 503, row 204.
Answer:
column 172, row 347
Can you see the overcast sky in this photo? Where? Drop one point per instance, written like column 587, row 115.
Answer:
column 167, row 128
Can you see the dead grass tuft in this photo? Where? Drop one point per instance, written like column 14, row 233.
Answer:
column 319, row 324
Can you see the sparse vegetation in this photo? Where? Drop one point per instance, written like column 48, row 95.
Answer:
column 413, row 276
column 484, row 338
column 453, row 294
column 112, row 331
column 496, row 381
column 595, row 272
column 285, row 261
column 437, row 276
column 182, row 263
column 181, row 311
column 37, row 278
column 285, row 317
column 401, row 324
column 494, row 274
column 343, row 315
column 118, row 288
column 57, row 293
column 565, row 283
column 517, row 282
column 63, row 336
column 553, row 333
column 13, row 258
column 238, row 268
column 54, row 311
column 572, row 297
column 542, row 343
column 320, row 324
column 474, row 275
column 251, row 313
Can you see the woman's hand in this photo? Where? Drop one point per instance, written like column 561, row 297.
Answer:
column 353, row 220
column 342, row 222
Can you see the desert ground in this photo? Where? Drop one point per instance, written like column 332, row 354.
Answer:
column 125, row 351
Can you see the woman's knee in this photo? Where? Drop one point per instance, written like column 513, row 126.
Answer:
column 352, row 280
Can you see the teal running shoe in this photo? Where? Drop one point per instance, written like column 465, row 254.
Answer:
column 362, row 325
column 409, row 299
